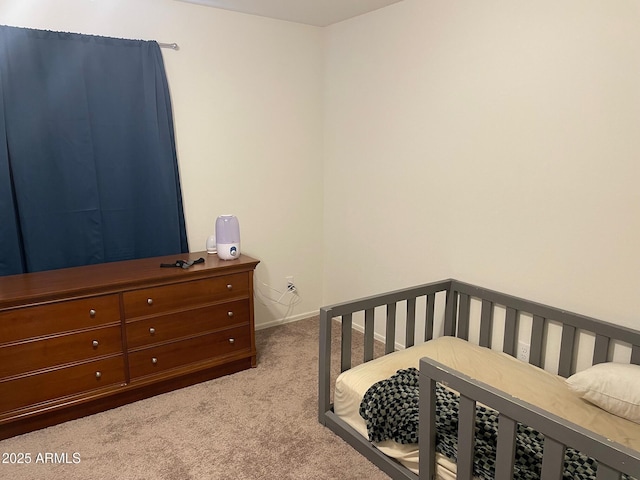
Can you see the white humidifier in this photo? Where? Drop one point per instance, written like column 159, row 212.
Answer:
column 227, row 237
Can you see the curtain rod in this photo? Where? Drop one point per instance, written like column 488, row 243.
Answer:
column 173, row 46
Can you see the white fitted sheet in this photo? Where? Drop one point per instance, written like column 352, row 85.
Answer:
column 519, row 379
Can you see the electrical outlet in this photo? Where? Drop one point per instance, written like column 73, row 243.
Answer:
column 523, row 351
column 291, row 286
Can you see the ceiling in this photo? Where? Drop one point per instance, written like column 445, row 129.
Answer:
column 312, row 12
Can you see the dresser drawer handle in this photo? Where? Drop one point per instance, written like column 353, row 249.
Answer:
column 98, row 374
column 152, row 331
column 230, row 314
column 149, row 301
column 229, row 286
column 154, row 360
column 232, row 340
column 92, row 313
column 95, row 344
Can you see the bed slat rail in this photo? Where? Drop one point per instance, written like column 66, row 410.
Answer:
column 510, row 341
column 427, row 427
column 368, row 334
column 607, row 473
column 466, row 435
column 345, row 347
column 606, row 334
column 430, row 316
column 635, row 354
column 558, row 432
column 506, row 447
column 601, row 349
column 552, row 459
column 345, row 312
column 450, row 313
column 537, row 336
column 464, row 308
column 410, row 331
column 567, row 344
column 486, row 323
column 390, row 331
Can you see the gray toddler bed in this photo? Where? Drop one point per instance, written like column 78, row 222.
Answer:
column 489, row 323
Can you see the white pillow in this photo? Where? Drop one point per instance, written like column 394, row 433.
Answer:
column 614, row 387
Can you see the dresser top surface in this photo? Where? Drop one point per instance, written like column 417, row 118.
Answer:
column 113, row 276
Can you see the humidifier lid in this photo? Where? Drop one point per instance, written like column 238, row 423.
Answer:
column 227, row 229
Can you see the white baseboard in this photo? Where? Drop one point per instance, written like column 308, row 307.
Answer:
column 282, row 321
column 303, row 316
column 377, row 336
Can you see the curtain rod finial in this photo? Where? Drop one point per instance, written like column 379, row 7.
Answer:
column 173, row 46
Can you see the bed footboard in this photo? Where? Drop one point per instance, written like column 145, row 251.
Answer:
column 613, row 459
column 408, row 299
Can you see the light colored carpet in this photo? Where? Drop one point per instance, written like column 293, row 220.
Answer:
column 256, row 424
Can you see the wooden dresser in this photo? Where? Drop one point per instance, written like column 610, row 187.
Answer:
column 81, row 340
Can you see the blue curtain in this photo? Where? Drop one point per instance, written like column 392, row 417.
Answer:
column 88, row 167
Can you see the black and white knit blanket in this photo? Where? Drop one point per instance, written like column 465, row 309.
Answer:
column 390, row 410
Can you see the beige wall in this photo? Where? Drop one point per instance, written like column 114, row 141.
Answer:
column 495, row 142
column 247, row 99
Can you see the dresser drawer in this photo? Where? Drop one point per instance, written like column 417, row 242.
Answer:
column 49, row 352
column 171, row 355
column 32, row 389
column 51, row 318
column 187, row 323
column 151, row 301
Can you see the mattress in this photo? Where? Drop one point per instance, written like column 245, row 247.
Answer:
column 517, row 378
